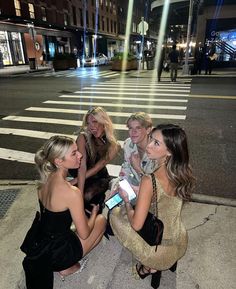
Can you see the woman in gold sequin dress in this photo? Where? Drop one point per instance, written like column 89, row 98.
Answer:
column 174, row 180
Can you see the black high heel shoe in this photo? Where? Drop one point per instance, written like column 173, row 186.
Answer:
column 156, row 278
column 141, row 272
column 173, row 268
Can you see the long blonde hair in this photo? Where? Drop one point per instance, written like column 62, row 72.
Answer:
column 103, row 118
column 55, row 147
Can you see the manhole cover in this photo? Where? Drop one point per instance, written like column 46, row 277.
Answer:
column 7, row 197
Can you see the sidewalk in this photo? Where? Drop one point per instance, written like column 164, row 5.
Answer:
column 209, row 262
column 22, row 69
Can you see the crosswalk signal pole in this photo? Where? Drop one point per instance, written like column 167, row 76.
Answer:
column 142, row 19
column 190, row 17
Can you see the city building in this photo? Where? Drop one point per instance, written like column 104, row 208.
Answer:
column 212, row 22
column 83, row 27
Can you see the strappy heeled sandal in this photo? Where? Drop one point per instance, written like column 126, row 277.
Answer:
column 141, row 272
column 82, row 263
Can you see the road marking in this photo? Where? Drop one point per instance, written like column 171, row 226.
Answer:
column 212, row 96
column 117, row 93
column 124, row 98
column 108, row 84
column 111, row 113
column 121, row 89
column 32, row 133
column 25, row 157
column 172, row 107
column 38, row 134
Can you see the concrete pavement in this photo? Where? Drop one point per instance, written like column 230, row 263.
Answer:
column 209, row 262
column 25, row 69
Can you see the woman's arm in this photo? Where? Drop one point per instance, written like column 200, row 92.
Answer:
column 81, row 144
column 113, row 150
column 75, row 203
column 138, row 215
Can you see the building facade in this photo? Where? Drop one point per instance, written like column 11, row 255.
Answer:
column 83, row 27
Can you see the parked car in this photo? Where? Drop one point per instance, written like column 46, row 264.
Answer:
column 100, row 59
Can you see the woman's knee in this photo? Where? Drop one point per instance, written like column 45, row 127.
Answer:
column 101, row 222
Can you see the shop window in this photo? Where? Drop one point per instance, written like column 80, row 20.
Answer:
column 43, row 12
column 5, row 48
column 17, row 48
column 17, row 7
column 31, row 10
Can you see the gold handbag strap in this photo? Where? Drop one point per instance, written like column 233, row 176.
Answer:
column 154, row 187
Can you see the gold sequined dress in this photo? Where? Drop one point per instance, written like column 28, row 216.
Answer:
column 174, row 241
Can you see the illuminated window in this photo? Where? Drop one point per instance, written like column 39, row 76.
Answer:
column 31, row 10
column 17, row 7
column 43, row 11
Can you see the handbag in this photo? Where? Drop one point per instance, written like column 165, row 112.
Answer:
column 152, row 230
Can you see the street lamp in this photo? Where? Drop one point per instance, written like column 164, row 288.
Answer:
column 190, row 17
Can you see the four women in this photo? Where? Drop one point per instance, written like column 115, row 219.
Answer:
column 50, row 245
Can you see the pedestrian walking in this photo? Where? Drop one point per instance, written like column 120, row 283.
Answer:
column 160, row 65
column 174, row 62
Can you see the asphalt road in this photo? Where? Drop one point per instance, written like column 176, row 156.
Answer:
column 209, row 119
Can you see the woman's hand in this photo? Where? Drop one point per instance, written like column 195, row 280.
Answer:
column 95, row 209
column 135, row 162
column 136, row 189
column 123, row 194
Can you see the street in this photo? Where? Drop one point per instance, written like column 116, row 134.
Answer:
column 34, row 107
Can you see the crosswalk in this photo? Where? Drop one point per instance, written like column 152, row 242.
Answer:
column 93, row 73
column 165, row 102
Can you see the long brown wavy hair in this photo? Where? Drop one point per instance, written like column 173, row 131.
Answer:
column 179, row 170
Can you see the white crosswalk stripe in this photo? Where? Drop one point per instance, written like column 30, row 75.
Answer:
column 120, row 99
column 124, row 98
column 80, row 74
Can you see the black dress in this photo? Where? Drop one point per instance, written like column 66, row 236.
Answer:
column 49, row 246
column 96, row 185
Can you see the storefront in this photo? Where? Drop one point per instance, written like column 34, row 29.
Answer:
column 11, row 46
column 19, row 43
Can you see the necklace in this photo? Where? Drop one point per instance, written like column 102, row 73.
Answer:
column 158, row 167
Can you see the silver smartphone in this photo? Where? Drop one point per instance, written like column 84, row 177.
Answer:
column 116, row 199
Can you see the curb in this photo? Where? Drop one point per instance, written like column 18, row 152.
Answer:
column 197, row 198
